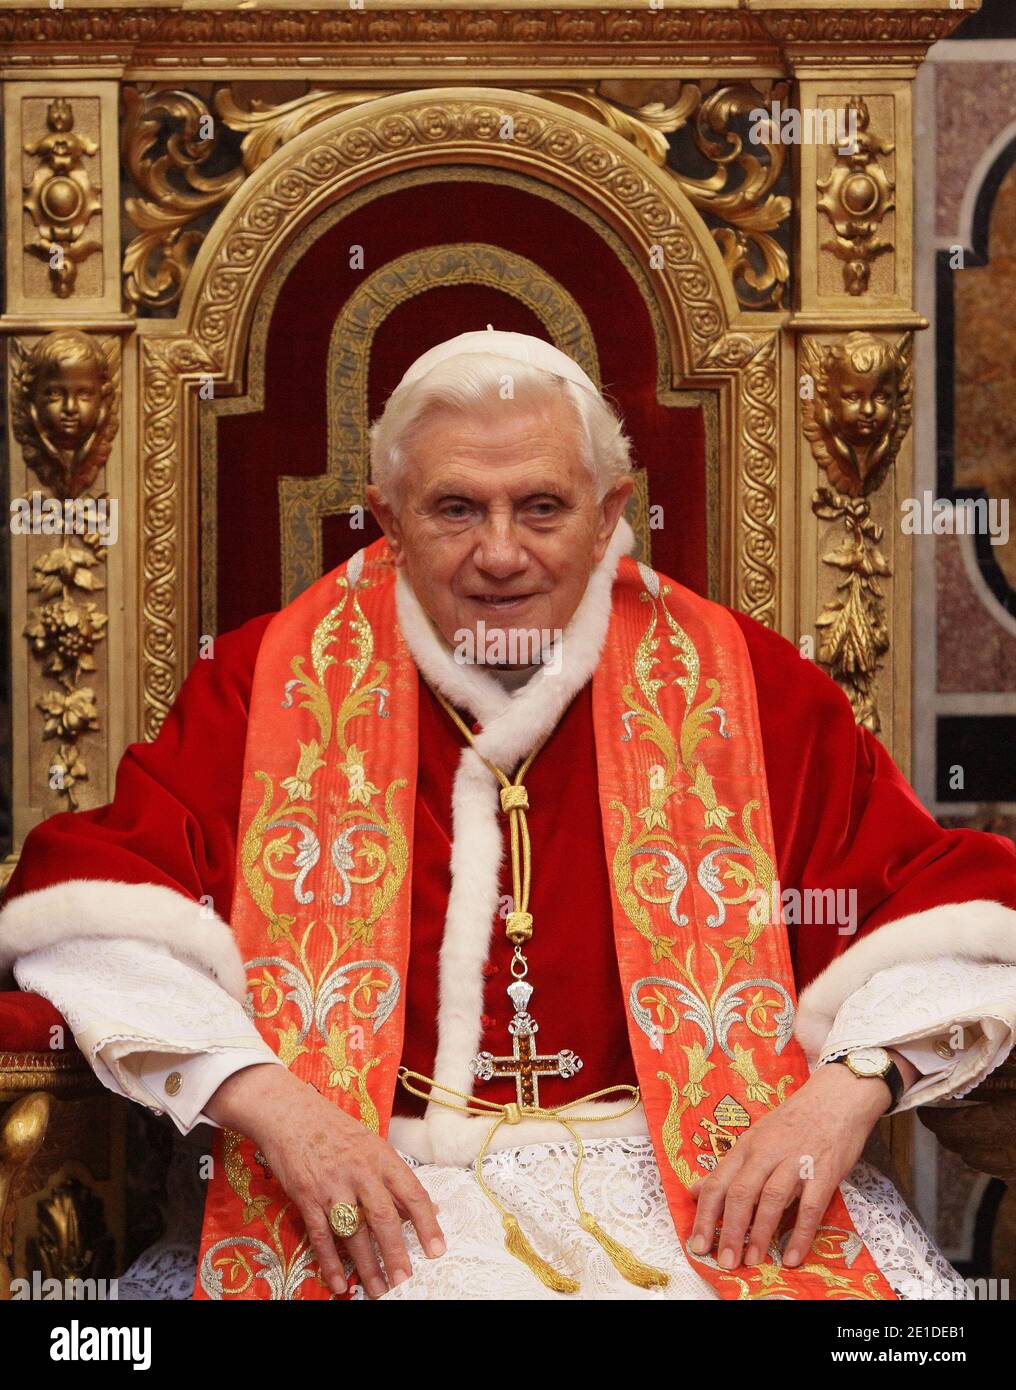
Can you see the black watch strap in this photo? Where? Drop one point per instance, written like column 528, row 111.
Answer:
column 893, row 1078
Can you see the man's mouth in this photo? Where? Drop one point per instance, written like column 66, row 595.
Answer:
column 501, row 603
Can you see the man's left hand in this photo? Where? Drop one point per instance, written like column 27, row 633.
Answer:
column 798, row 1152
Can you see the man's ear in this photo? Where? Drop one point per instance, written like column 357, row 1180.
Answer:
column 612, row 505
column 386, row 518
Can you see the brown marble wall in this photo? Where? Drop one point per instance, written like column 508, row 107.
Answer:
column 973, row 102
column 967, row 165
column 975, row 652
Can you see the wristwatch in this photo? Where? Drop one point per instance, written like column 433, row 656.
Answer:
column 875, row 1061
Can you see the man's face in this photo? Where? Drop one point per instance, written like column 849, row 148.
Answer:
column 498, row 519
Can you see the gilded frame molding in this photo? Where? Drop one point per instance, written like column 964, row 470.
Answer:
column 709, row 341
column 253, row 399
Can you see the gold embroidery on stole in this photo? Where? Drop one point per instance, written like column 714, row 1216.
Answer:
column 707, row 978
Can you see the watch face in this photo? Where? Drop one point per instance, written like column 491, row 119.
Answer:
column 869, row 1061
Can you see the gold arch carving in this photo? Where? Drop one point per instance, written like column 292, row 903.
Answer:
column 254, row 400
column 708, row 339
column 303, row 501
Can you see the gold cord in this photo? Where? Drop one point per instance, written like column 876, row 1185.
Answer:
column 519, row 929
column 515, row 803
column 625, row 1262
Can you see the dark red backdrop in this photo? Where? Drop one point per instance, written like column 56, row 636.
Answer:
column 289, row 437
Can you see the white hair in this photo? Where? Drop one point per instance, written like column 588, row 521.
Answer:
column 470, row 382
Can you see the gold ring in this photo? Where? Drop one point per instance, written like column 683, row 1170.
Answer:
column 345, row 1219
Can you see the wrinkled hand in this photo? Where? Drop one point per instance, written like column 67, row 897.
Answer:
column 798, row 1152
column 321, row 1156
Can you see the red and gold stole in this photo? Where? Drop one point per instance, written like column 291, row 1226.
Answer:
column 322, row 900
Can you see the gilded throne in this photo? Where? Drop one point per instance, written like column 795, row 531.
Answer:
column 246, row 268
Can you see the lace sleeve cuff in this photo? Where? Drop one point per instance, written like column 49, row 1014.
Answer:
column 136, row 1011
column 949, row 1003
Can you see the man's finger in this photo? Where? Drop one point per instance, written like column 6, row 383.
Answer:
column 781, row 1189
column 415, row 1204
column 380, row 1215
column 811, row 1208
column 323, row 1244
column 738, row 1209
column 710, row 1195
column 361, row 1251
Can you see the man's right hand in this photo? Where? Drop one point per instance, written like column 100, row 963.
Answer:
column 321, row 1156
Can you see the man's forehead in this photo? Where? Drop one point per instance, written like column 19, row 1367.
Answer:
column 501, row 436
column 529, row 478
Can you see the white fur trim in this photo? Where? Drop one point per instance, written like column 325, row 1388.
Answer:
column 977, row 930
column 513, row 722
column 104, row 908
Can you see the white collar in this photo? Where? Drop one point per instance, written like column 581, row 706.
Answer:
column 514, row 721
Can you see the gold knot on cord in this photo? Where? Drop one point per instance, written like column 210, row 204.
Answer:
column 514, row 798
column 518, row 927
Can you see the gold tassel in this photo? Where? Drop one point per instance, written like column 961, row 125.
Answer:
column 516, row 1244
column 643, row 1275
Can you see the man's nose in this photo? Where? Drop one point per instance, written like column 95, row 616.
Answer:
column 499, row 550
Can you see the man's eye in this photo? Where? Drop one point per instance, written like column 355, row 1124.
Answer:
column 544, row 508
column 455, row 511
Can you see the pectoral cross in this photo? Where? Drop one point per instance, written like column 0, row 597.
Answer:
column 525, row 1063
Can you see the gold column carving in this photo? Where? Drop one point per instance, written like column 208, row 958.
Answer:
column 168, row 588
column 857, row 195
column 62, row 195
column 855, row 421
column 65, row 414
column 758, row 510
column 61, row 198
column 64, row 323
column 855, row 322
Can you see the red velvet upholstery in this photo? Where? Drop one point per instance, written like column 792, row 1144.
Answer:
column 25, row 1022
column 289, row 437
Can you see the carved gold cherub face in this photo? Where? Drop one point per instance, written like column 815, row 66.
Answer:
column 68, row 401
column 862, row 405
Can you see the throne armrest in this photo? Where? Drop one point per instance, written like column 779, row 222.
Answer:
column 982, row 1133
column 61, row 1152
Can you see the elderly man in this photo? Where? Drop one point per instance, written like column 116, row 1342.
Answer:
column 471, row 895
